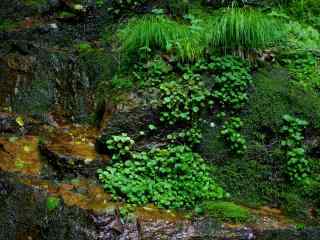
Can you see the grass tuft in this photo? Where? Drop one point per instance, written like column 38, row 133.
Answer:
column 242, row 29
column 151, row 33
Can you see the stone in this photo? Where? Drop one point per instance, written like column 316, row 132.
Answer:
column 71, row 150
column 133, row 122
column 24, row 213
column 67, row 157
column 54, row 3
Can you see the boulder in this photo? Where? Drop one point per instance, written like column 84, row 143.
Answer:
column 73, row 158
column 8, row 123
column 24, row 214
column 135, row 122
column 72, row 150
column 38, row 81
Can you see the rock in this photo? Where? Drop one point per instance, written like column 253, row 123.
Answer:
column 71, row 150
column 108, row 225
column 162, row 228
column 4, row 188
column 19, row 9
column 21, row 124
column 24, row 215
column 40, row 69
column 132, row 122
column 54, row 3
column 266, row 56
column 73, row 158
column 313, row 143
column 8, row 123
column 24, row 212
column 38, row 81
column 290, row 234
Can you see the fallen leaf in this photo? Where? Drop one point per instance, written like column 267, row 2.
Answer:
column 20, row 121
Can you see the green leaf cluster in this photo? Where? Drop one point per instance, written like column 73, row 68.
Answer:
column 117, row 7
column 153, row 72
column 171, row 177
column 53, row 203
column 182, row 102
column 297, row 165
column 230, row 87
column 304, row 68
column 188, row 136
column 230, row 132
column 306, row 10
column 120, row 146
column 230, row 82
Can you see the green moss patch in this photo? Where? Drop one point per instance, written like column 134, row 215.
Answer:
column 52, row 203
column 248, row 182
column 227, row 211
column 34, row 2
column 276, row 95
column 6, row 25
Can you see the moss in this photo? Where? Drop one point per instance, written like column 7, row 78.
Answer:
column 274, row 96
column 99, row 64
column 84, row 47
column 37, row 95
column 34, row 2
column 249, row 182
column 212, row 146
column 65, row 14
column 294, row 205
column 52, row 203
column 256, row 185
column 227, row 211
column 6, row 25
column 178, row 7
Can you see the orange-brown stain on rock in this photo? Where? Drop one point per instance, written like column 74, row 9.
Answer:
column 83, row 193
column 152, row 213
column 20, row 155
column 75, row 141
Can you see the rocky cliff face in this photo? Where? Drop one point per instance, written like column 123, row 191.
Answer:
column 53, row 60
column 40, row 68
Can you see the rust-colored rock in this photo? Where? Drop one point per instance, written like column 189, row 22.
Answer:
column 73, row 151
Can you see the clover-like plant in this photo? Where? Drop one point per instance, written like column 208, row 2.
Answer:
column 232, row 136
column 120, row 146
column 298, row 167
column 170, row 177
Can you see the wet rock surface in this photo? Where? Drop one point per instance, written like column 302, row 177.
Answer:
column 40, row 68
column 133, row 122
column 86, row 211
column 20, row 155
column 11, row 123
column 8, row 123
column 24, row 215
column 73, row 150
column 66, row 88
column 43, row 75
column 72, row 161
column 289, row 234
